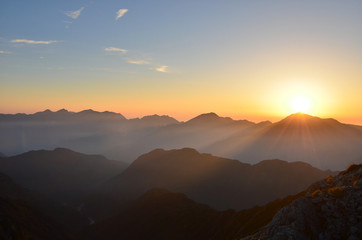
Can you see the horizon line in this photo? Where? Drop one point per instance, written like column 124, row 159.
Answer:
column 212, row 112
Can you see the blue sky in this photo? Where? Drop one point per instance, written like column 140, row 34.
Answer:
column 181, row 57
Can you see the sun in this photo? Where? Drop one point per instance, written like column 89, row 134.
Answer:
column 300, row 104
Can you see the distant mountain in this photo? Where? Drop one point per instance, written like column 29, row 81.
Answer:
column 331, row 209
column 61, row 174
column 219, row 182
column 2, row 155
column 155, row 120
column 199, row 133
column 63, row 115
column 27, row 215
column 214, row 119
column 160, row 214
column 324, row 143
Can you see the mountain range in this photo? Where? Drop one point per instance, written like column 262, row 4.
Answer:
column 177, row 194
column 323, row 143
column 218, row 182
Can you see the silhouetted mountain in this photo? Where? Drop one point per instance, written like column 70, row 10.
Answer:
column 219, row 182
column 27, row 215
column 155, row 120
column 324, row 143
column 61, row 174
column 331, row 209
column 2, row 155
column 159, row 214
column 198, row 133
column 214, row 119
column 63, row 115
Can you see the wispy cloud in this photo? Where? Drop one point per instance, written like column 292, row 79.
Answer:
column 4, row 52
column 114, row 49
column 138, row 62
column 162, row 69
column 74, row 14
column 31, row 41
column 120, row 13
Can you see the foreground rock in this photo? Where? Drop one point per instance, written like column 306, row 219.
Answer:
column 331, row 209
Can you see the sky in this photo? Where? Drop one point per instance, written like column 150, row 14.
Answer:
column 242, row 59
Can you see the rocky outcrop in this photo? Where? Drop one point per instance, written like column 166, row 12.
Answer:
column 331, row 209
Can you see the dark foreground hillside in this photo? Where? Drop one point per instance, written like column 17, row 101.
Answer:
column 331, row 209
column 26, row 214
column 160, row 214
column 328, row 209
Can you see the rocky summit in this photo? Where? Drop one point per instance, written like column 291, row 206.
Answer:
column 331, row 209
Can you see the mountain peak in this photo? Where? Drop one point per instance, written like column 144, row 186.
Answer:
column 62, row 111
column 205, row 117
column 303, row 117
column 208, row 115
column 88, row 111
column 300, row 115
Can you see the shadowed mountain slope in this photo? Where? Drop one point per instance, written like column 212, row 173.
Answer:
column 219, row 182
column 61, row 174
column 159, row 214
column 26, row 214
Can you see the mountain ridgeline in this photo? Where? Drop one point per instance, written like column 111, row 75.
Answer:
column 175, row 194
column 218, row 182
column 61, row 174
column 323, row 143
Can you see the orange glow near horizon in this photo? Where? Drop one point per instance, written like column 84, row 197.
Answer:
column 256, row 103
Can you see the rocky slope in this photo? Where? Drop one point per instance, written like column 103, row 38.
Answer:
column 331, row 209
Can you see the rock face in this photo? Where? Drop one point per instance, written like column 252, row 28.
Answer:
column 331, row 209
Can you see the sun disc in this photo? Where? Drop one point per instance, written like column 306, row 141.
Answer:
column 300, row 104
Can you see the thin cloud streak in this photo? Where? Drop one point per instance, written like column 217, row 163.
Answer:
column 138, row 62
column 162, row 69
column 114, row 49
column 120, row 13
column 4, row 52
column 32, row 41
column 74, row 14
